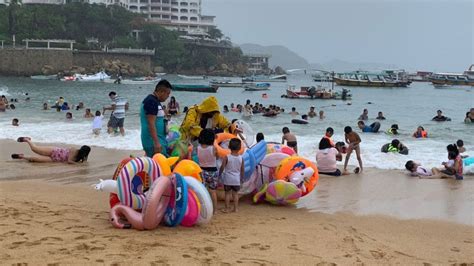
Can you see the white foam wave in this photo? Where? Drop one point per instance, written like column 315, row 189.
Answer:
column 71, row 133
column 4, row 91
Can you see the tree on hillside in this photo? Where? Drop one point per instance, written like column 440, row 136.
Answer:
column 215, row 33
column 169, row 49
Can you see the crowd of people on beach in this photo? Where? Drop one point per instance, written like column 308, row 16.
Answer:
column 202, row 122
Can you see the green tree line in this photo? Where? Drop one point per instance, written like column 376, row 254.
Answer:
column 111, row 26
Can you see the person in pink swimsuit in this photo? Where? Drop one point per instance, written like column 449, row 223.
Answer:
column 50, row 154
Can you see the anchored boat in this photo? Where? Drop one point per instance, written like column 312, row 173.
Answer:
column 316, row 93
column 195, row 88
column 386, row 78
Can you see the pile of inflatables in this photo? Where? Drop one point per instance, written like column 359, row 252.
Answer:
column 145, row 192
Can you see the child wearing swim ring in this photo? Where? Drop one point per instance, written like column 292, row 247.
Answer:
column 233, row 169
column 207, row 157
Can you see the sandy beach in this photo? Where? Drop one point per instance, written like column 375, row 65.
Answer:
column 51, row 214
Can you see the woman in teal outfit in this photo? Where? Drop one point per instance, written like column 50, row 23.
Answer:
column 152, row 120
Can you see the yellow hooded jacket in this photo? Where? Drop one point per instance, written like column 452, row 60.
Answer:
column 191, row 128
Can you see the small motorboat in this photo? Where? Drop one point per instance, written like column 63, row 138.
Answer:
column 263, row 86
column 195, row 88
column 316, row 93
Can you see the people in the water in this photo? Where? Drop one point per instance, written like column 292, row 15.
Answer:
column 373, row 128
column 393, row 130
column 469, row 117
column 440, row 117
column 395, row 146
column 420, row 133
column 380, row 116
column 365, row 115
column 290, row 139
column 293, row 111
column 312, row 112
column 416, row 169
column 15, row 122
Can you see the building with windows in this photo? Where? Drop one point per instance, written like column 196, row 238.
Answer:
column 257, row 63
column 181, row 15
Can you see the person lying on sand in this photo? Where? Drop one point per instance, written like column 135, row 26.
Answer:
column 53, row 154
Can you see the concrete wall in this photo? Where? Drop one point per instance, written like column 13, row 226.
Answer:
column 26, row 62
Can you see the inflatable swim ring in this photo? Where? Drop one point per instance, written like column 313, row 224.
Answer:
column 221, row 137
column 299, row 171
column 153, row 211
column 178, row 201
column 299, row 121
column 207, row 209
column 245, row 130
column 281, row 192
column 130, row 186
column 263, row 173
column 192, row 211
column 165, row 163
column 275, row 147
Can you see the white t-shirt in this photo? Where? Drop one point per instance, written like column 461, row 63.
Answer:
column 97, row 123
column 326, row 160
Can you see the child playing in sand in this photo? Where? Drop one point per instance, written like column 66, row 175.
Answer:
column 353, row 139
column 97, row 123
column 233, row 168
column 290, row 139
column 207, row 157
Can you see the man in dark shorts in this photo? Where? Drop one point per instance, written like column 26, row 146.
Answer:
column 117, row 117
column 290, row 139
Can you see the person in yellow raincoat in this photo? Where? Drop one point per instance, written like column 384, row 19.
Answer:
column 204, row 115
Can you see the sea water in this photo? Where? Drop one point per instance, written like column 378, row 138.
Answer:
column 408, row 107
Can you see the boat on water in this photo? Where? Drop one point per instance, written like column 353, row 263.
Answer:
column 420, row 76
column 192, row 77
column 134, row 81
column 453, row 79
column 45, row 77
column 386, row 78
column 321, row 76
column 195, row 88
column 262, row 86
column 318, row 92
column 230, row 84
column 278, row 78
column 97, row 77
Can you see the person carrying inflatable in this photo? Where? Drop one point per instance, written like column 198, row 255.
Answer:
column 373, row 128
column 395, row 146
column 420, row 133
column 205, row 115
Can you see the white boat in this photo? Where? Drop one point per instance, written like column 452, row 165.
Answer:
column 257, row 86
column 192, row 77
column 140, row 81
column 97, row 77
column 279, row 78
column 45, row 77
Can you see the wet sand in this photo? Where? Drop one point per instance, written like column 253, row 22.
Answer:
column 50, row 214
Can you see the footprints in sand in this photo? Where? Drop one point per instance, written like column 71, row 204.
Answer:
column 256, row 246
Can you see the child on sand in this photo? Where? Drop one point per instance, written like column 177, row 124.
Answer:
column 233, row 168
column 207, row 157
column 97, row 123
column 290, row 139
column 353, row 139
column 416, row 169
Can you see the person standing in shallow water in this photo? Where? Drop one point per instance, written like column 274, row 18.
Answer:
column 152, row 120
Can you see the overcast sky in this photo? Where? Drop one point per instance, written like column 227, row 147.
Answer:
column 413, row 34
